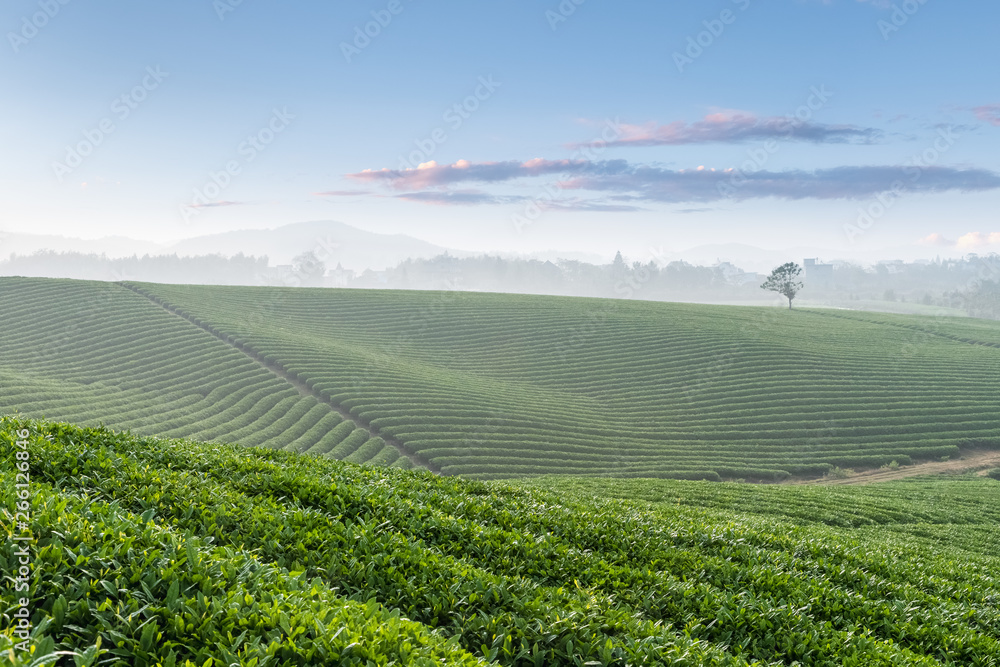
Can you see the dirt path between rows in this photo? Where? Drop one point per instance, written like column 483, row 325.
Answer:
column 972, row 459
column 299, row 385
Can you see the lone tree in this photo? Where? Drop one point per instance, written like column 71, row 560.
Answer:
column 783, row 281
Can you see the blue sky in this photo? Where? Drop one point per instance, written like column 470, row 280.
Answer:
column 588, row 127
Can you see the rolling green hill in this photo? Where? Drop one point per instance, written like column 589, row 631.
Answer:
column 96, row 352
column 148, row 551
column 492, row 385
column 500, row 385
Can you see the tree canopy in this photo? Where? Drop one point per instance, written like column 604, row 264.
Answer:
column 784, row 281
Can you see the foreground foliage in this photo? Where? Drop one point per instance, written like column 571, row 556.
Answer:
column 171, row 552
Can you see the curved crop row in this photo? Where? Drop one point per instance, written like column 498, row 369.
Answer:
column 99, row 353
column 498, row 385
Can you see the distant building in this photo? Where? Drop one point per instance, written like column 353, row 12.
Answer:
column 338, row 277
column 818, row 275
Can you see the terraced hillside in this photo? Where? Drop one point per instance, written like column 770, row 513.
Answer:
column 153, row 552
column 99, row 353
column 494, row 385
column 491, row 385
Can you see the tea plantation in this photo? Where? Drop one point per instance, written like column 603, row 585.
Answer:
column 492, row 385
column 501, row 386
column 95, row 352
column 149, row 552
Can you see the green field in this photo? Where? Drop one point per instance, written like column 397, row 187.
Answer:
column 96, row 352
column 157, row 552
column 493, row 386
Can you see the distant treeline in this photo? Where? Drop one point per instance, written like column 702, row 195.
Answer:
column 204, row 269
column 618, row 279
column 983, row 300
column 971, row 283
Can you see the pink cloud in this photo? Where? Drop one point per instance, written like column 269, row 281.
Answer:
column 935, row 239
column 431, row 174
column 650, row 182
column 989, row 113
column 977, row 239
column 733, row 126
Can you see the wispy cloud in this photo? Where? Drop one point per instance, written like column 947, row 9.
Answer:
column 935, row 240
column 342, row 193
column 989, row 113
column 466, row 198
column 597, row 205
column 703, row 185
column 431, row 174
column 217, row 204
column 476, row 198
column 970, row 240
column 641, row 182
column 740, row 126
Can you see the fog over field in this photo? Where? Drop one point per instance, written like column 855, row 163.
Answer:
column 333, row 254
